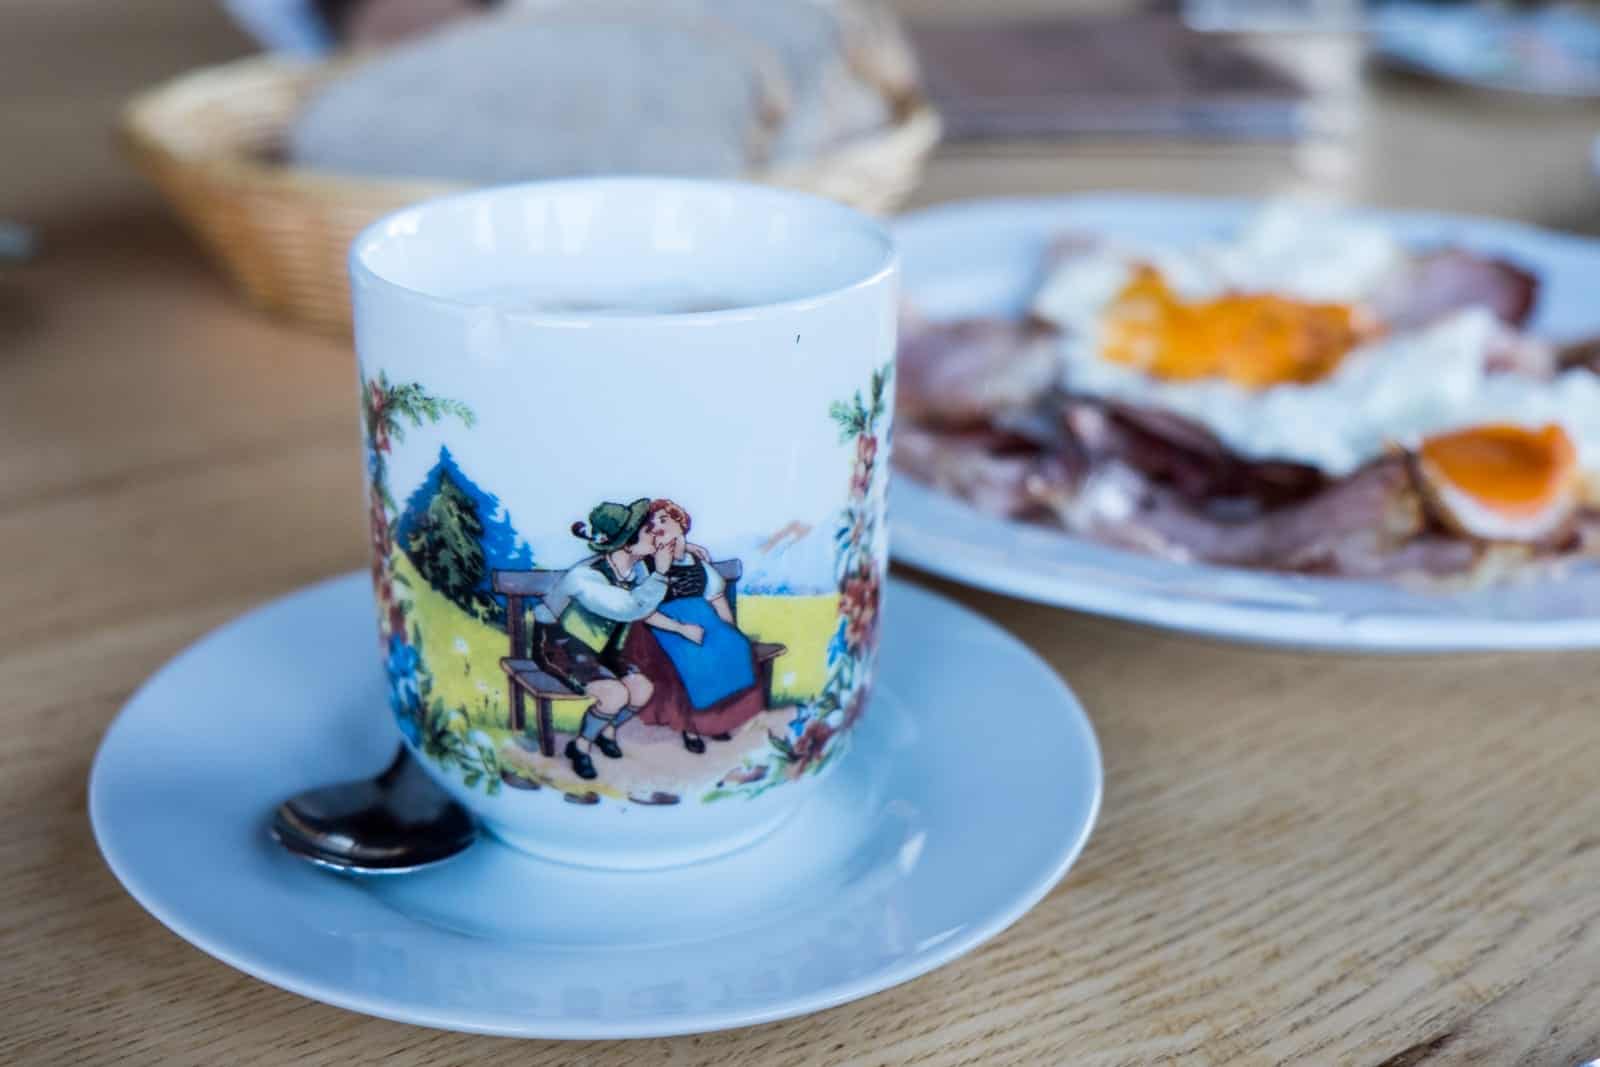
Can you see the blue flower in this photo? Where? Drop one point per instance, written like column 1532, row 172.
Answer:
column 405, row 697
column 836, row 646
column 797, row 725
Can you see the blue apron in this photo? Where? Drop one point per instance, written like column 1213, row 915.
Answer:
column 720, row 666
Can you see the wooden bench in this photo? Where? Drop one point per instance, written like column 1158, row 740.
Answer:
column 525, row 678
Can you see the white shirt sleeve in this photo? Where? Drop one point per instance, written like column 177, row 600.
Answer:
column 716, row 585
column 590, row 589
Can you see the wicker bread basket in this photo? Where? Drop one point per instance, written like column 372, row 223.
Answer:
column 212, row 142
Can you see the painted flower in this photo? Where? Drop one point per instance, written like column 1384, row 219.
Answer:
column 858, row 529
column 744, row 775
column 460, row 645
column 377, row 400
column 861, row 473
column 860, row 481
column 808, row 748
column 858, row 603
column 378, row 529
column 402, row 667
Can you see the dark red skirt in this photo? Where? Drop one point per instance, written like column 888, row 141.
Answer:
column 670, row 706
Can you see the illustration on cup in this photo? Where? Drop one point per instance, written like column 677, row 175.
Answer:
column 643, row 666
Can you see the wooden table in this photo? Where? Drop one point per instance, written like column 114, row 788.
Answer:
column 1302, row 857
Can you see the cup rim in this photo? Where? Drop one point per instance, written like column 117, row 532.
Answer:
column 885, row 264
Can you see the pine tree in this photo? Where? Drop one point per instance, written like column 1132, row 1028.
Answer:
column 447, row 547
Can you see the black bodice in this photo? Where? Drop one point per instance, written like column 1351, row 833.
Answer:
column 686, row 580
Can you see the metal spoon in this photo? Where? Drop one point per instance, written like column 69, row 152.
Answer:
column 398, row 822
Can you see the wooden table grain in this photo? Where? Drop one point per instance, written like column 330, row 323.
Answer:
column 1302, row 858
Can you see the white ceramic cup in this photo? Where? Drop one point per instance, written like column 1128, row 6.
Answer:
column 627, row 449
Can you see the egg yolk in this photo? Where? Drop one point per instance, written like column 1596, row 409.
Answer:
column 1511, row 470
column 1252, row 340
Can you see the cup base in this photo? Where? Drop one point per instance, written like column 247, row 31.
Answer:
column 632, row 857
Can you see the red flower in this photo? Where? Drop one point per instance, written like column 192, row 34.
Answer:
column 382, row 549
column 378, row 526
column 810, row 745
column 397, row 618
column 377, row 421
column 866, row 458
column 860, row 481
column 858, row 603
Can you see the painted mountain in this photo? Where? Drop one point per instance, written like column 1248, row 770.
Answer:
column 798, row 559
column 457, row 534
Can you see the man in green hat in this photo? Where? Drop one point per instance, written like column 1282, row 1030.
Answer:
column 584, row 620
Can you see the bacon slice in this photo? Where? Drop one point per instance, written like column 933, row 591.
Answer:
column 982, row 417
column 995, row 472
column 1582, row 354
column 1182, row 454
column 1435, row 284
column 1353, row 527
column 1452, row 279
column 961, row 373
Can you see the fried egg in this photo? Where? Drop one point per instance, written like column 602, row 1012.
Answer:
column 1501, row 482
column 1272, row 342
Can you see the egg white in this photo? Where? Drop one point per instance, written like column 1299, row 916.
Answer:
column 1397, row 389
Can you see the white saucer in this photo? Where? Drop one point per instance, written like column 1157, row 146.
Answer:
column 905, row 860
column 982, row 257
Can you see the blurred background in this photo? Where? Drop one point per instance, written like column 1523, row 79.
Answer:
column 178, row 442
column 274, row 128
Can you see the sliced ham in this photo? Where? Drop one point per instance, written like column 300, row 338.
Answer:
column 962, row 373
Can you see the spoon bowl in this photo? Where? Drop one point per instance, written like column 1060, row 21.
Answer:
column 395, row 823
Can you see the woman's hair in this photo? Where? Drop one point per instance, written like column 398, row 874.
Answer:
column 673, row 510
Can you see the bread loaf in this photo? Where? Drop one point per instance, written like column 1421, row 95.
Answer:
column 509, row 97
column 834, row 55
column 569, row 87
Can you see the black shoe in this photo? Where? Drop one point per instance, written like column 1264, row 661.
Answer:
column 722, row 737
column 609, row 746
column 582, row 765
column 694, row 743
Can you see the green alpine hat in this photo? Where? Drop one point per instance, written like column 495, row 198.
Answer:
column 612, row 526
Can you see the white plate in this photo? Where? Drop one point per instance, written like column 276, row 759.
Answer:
column 1547, row 52
column 983, row 258
column 904, row 860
